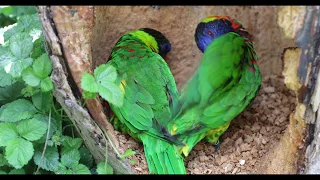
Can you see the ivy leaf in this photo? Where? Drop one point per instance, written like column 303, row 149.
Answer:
column 89, row 95
column 42, row 101
column 21, row 45
column 46, row 84
column 103, row 168
column 5, row 79
column 105, row 72
column 86, row 157
column 50, row 161
column 42, row 66
column 80, row 169
column 32, row 129
column 10, row 93
column 88, row 83
column 17, row 171
column 70, row 158
column 8, row 131
column 18, row 110
column 30, row 78
column 111, row 93
column 18, row 152
column 70, row 144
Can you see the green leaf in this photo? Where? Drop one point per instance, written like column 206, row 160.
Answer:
column 12, row 29
column 25, row 23
column 88, row 83
column 45, row 119
column 2, row 108
column 18, row 10
column 50, row 161
column 129, row 152
column 17, row 171
column 2, row 172
column 18, row 110
column 38, row 48
column 80, row 169
column 86, row 157
column 12, row 64
column 21, row 45
column 70, row 144
column 111, row 93
column 3, row 161
column 11, row 93
column 61, row 169
column 17, row 67
column 6, row 57
column 89, row 95
column 5, row 79
column 42, row 101
column 105, row 72
column 30, row 78
column 18, row 152
column 132, row 162
column 103, row 168
column 29, row 91
column 8, row 131
column 46, row 84
column 32, row 129
column 70, row 158
column 42, row 66
column 30, row 22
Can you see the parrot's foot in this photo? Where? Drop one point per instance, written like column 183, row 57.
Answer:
column 216, row 146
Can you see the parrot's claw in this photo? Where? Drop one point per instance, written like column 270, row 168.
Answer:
column 216, row 146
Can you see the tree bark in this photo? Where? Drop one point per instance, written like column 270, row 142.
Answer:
column 68, row 35
column 305, row 80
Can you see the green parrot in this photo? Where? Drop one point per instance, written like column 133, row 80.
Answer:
column 150, row 93
column 225, row 83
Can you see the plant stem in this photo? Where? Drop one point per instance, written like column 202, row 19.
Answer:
column 45, row 144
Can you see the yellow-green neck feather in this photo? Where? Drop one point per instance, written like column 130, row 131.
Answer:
column 149, row 40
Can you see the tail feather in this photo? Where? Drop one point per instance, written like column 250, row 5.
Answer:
column 162, row 157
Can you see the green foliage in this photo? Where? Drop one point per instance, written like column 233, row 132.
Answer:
column 50, row 161
column 103, row 82
column 32, row 123
column 104, row 168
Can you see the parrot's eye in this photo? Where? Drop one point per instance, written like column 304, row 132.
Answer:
column 210, row 33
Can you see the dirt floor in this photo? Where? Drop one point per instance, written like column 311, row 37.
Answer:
column 247, row 140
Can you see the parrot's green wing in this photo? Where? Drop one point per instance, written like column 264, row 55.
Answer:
column 149, row 93
column 225, row 83
column 148, row 89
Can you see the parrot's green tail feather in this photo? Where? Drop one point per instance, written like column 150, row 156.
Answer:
column 162, row 157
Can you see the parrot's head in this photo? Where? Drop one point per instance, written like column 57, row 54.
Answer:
column 161, row 44
column 214, row 26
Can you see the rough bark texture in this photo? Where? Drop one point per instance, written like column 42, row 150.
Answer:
column 91, row 133
column 312, row 93
column 302, row 76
